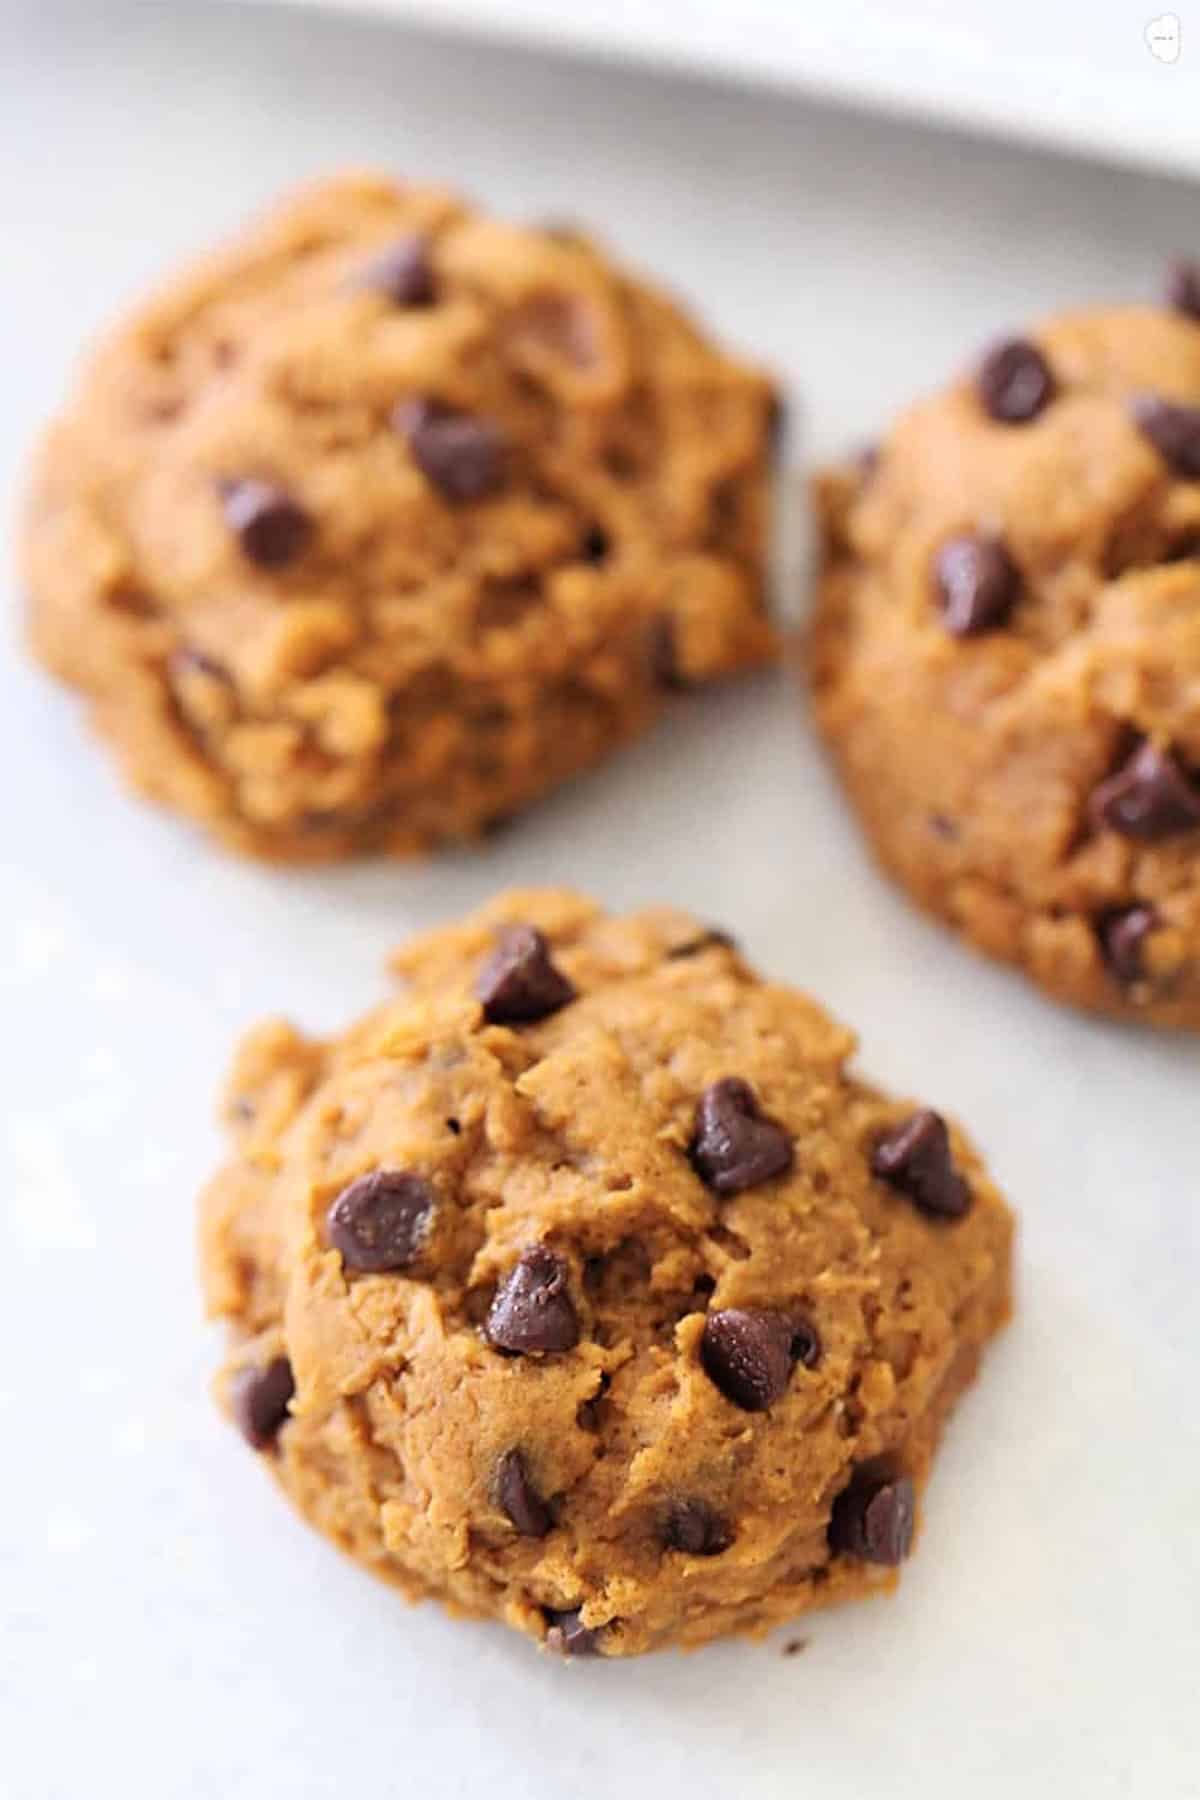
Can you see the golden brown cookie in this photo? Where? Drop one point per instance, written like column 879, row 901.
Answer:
column 1006, row 656
column 390, row 517
column 583, row 1287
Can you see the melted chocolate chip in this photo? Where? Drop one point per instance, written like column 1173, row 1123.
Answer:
column 259, row 1399
column 519, row 983
column 518, row 1499
column 1122, row 936
column 735, row 1146
column 1149, row 797
column 747, row 1354
column 873, row 1519
column 693, row 1527
column 462, row 456
column 1183, row 287
column 569, row 1636
column 380, row 1221
column 404, row 272
column 1174, row 431
column 977, row 584
column 1014, row 382
column 271, row 527
column 915, row 1158
column 533, row 1312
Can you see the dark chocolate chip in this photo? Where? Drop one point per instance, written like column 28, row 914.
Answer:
column 735, row 1145
column 806, row 1343
column 1122, row 936
column 1148, row 798
column 533, row 1311
column 519, row 983
column 977, row 584
column 664, row 655
column 518, row 1499
column 1174, row 431
column 259, row 1398
column 707, row 940
column 1183, row 287
column 404, row 272
column 747, row 1353
column 568, row 1635
column 595, row 545
column 873, row 1519
column 693, row 1527
column 1014, row 382
column 462, row 456
column 379, row 1222
column 915, row 1157
column 271, row 527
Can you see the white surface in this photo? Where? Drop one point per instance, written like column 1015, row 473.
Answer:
column 168, row 1628
column 1112, row 77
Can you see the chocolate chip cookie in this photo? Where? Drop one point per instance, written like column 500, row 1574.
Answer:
column 1006, row 656
column 581, row 1286
column 390, row 517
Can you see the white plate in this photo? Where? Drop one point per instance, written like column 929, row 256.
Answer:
column 1113, row 78
column 168, row 1629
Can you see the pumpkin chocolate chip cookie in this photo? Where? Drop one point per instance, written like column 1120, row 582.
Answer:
column 1006, row 655
column 389, row 518
column 581, row 1286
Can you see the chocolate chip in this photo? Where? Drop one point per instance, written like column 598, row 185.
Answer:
column 259, row 1398
column 1174, row 431
column 707, row 940
column 664, row 655
column 379, row 1222
column 404, row 272
column 1183, row 287
column 735, row 1146
column 533, row 1311
column 1014, row 382
column 693, row 1527
column 519, row 983
column 518, row 1499
column 915, row 1157
column 271, row 527
column 977, row 584
column 867, row 461
column 747, row 1353
column 1149, row 797
column 1122, row 936
column 595, row 545
column 462, row 456
column 873, row 1519
column 568, row 1635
